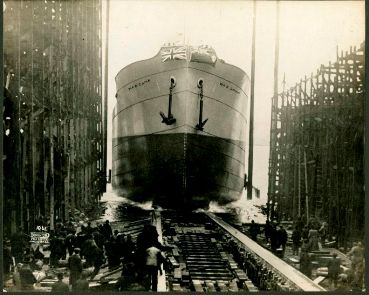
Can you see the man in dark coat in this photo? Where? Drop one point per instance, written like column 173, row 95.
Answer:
column 89, row 228
column 267, row 231
column 88, row 250
column 273, row 238
column 147, row 238
column 75, row 267
column 80, row 239
column 70, row 242
column 62, row 248
column 299, row 224
column 99, row 239
column 54, row 249
column 106, row 230
column 97, row 261
column 305, row 233
column 254, row 230
column 282, row 238
column 129, row 249
column 121, row 244
column 112, row 253
column 296, row 241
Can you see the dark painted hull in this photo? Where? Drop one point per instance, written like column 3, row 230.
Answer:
column 177, row 165
column 177, row 170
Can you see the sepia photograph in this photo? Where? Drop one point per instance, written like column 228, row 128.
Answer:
column 183, row 146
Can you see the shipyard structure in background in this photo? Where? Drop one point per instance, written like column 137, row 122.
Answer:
column 179, row 129
column 316, row 161
column 53, row 133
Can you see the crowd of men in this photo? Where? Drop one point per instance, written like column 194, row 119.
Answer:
column 275, row 236
column 307, row 238
column 93, row 247
column 89, row 247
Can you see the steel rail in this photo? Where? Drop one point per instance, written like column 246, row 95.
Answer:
column 277, row 265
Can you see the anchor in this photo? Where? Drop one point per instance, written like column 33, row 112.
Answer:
column 201, row 124
column 169, row 120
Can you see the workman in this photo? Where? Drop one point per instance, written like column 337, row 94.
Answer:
column 154, row 259
column 75, row 267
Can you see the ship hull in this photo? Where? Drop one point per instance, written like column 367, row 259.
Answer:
column 178, row 165
column 179, row 169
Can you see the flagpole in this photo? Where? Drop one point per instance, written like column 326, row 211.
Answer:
column 251, row 129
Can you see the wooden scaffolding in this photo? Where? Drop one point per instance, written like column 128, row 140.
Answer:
column 316, row 148
column 53, row 142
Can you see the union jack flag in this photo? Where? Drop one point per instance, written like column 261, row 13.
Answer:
column 173, row 53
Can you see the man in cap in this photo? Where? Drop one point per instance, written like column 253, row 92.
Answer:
column 75, row 267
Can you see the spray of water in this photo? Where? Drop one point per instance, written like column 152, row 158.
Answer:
column 112, row 200
column 243, row 210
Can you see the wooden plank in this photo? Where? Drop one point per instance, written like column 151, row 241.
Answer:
column 197, row 284
column 199, row 277
column 287, row 270
column 221, row 285
column 210, row 287
column 177, row 274
column 177, row 287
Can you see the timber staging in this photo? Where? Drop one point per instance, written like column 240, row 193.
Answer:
column 55, row 140
column 317, row 146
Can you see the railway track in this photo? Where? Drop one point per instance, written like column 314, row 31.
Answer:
column 198, row 258
column 273, row 272
column 206, row 254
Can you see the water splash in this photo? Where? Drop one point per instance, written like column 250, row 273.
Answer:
column 214, row 207
column 112, row 202
column 242, row 210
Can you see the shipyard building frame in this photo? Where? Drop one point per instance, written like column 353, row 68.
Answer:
column 317, row 146
column 53, row 117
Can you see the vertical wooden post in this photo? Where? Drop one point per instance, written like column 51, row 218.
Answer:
column 67, row 178
column 71, row 163
column 105, row 116
column 299, row 181
column 51, row 93
column 273, row 169
column 32, row 135
column 51, row 171
column 306, row 189
column 251, row 121
column 276, row 68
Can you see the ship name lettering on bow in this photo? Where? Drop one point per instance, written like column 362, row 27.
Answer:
column 138, row 84
column 223, row 84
